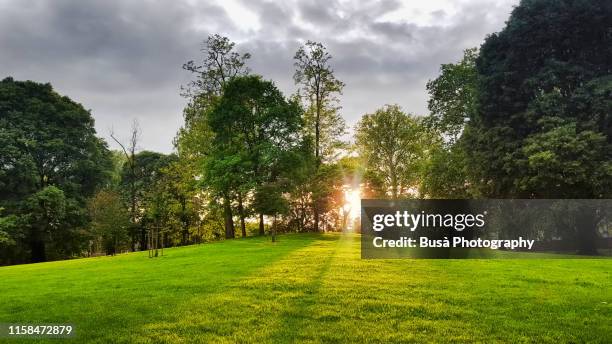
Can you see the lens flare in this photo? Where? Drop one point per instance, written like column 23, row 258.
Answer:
column 352, row 202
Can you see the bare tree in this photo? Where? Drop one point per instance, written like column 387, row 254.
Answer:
column 129, row 150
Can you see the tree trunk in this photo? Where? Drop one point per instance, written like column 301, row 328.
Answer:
column 394, row 191
column 242, row 216
column 143, row 238
column 262, row 229
column 38, row 252
column 229, row 221
column 587, row 231
column 273, row 229
column 317, row 157
column 133, row 205
column 185, row 221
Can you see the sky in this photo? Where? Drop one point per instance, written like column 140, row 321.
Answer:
column 123, row 59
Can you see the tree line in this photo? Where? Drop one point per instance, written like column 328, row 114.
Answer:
column 525, row 115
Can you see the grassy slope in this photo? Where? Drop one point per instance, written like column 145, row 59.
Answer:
column 311, row 288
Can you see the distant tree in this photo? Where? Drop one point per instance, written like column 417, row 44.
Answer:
column 47, row 140
column 146, row 175
column 320, row 89
column 110, row 222
column 445, row 173
column 269, row 200
column 129, row 178
column 10, row 235
column 179, row 179
column 6, row 225
column 393, row 146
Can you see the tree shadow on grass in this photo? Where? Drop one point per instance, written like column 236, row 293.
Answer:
column 254, row 308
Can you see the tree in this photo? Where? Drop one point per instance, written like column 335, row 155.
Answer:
column 144, row 180
column 10, row 234
column 255, row 128
column 548, row 68
column 110, row 222
column 452, row 101
column 320, row 88
column 128, row 177
column 453, row 96
column 269, row 200
column 47, row 140
column 445, row 173
column 195, row 139
column 45, row 213
column 393, row 146
column 180, row 183
column 543, row 125
column 221, row 63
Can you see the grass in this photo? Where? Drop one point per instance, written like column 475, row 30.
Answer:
column 311, row 288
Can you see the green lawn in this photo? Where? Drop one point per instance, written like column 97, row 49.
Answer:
column 310, row 288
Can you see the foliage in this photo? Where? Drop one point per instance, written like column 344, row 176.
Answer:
column 149, row 195
column 49, row 153
column 256, row 131
column 110, row 222
column 394, row 147
column 320, row 89
column 445, row 173
column 544, row 97
column 453, row 96
column 220, row 64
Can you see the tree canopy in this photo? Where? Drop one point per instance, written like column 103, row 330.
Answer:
column 50, row 159
column 544, row 97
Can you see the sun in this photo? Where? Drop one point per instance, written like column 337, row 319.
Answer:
column 352, row 202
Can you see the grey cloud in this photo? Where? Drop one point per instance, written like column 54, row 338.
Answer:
column 122, row 59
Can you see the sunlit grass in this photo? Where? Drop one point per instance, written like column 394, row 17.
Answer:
column 311, row 288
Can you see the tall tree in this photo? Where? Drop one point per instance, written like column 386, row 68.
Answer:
column 221, row 62
column 110, row 222
column 320, row 89
column 393, row 146
column 48, row 140
column 129, row 178
column 255, row 129
column 543, row 128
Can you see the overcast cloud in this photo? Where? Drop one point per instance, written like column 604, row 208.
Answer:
column 122, row 59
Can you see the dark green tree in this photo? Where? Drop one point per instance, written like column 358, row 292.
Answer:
column 48, row 140
column 543, row 127
column 255, row 129
column 453, row 96
column 141, row 184
column 544, row 95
